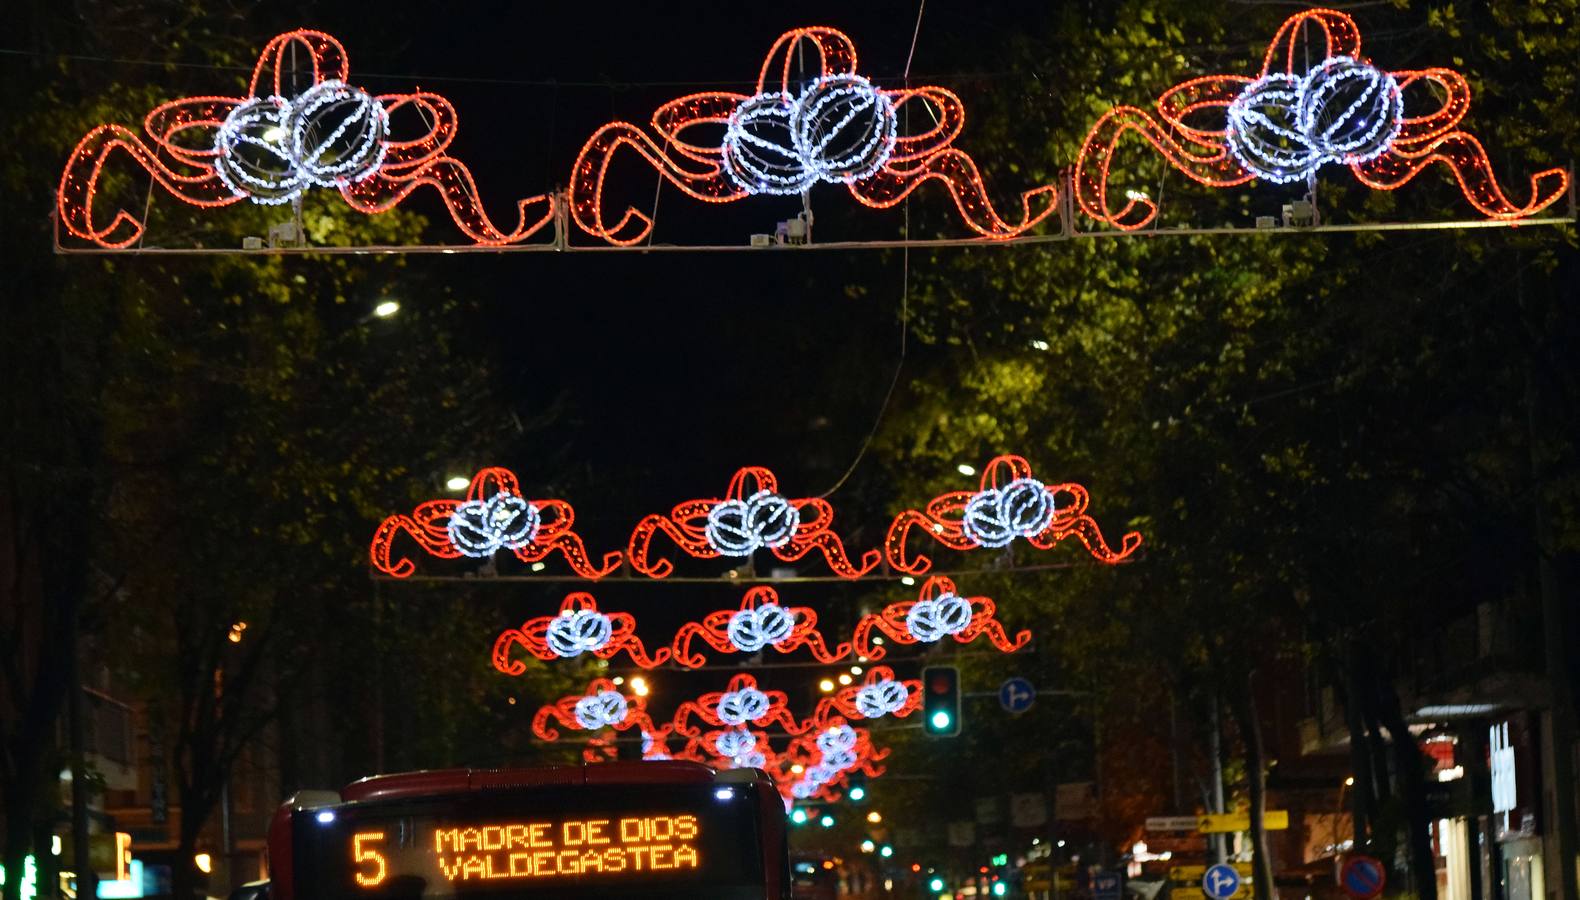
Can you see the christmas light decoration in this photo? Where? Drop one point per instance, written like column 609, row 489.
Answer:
column 1286, row 124
column 879, row 694
column 741, row 703
column 733, row 748
column 835, row 127
column 493, row 517
column 601, row 706
column 751, row 516
column 825, row 757
column 578, row 628
column 938, row 612
column 760, row 622
column 1010, row 504
column 270, row 145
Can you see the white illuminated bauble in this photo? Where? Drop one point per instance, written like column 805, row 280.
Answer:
column 574, row 632
column 750, row 630
column 478, row 528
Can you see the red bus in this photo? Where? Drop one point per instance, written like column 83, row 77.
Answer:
column 663, row 830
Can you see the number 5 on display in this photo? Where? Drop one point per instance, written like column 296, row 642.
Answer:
column 361, row 854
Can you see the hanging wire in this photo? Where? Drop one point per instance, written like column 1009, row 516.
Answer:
column 905, row 289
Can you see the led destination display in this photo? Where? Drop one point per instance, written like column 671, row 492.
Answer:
column 550, row 843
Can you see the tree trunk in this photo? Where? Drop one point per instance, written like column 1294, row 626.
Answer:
column 1410, row 774
column 1244, row 708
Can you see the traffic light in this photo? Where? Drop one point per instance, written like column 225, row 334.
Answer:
column 799, row 815
column 941, row 701
column 856, row 793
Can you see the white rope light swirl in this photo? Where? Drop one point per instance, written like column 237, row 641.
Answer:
column 935, row 618
column 574, row 632
column 996, row 516
column 270, row 149
column 598, row 710
column 881, row 698
column 745, row 705
column 479, row 528
column 750, row 630
column 1283, row 127
column 741, row 527
column 840, row 128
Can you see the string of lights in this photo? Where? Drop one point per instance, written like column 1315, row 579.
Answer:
column 271, row 145
column 1285, row 124
column 761, row 622
column 752, row 516
column 786, row 136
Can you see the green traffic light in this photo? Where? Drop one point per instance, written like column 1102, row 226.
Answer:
column 798, row 816
column 937, row 885
column 858, row 793
column 886, row 851
column 1000, row 889
column 940, row 720
column 826, row 821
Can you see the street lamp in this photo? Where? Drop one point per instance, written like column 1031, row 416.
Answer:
column 639, row 686
column 457, row 483
column 386, row 308
column 826, row 686
column 966, row 470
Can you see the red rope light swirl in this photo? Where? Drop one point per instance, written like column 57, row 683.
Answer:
column 891, row 168
column 186, row 145
column 1206, row 152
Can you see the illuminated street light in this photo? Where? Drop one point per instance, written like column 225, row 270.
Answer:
column 386, row 308
column 867, row 846
column 844, row 678
column 826, row 686
column 639, row 686
column 1350, row 781
column 204, row 862
column 874, row 817
column 966, row 470
column 235, row 632
column 457, row 483
column 798, row 768
column 855, row 670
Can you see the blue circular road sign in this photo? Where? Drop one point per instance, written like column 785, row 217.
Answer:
column 1016, row 695
column 1221, row 882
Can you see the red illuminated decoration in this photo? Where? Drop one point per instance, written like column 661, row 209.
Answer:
column 878, row 694
column 272, row 144
column 740, row 704
column 494, row 516
column 760, row 622
column 751, row 516
column 578, row 628
column 938, row 612
column 831, row 126
column 602, row 706
column 1226, row 130
column 816, row 765
column 1010, row 504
